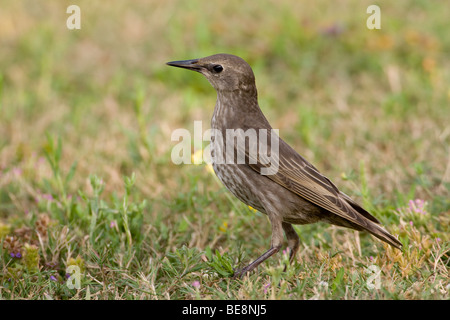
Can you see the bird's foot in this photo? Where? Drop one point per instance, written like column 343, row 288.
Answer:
column 240, row 273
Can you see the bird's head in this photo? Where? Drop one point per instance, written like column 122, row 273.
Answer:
column 225, row 72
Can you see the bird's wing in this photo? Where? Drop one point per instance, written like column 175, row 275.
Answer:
column 299, row 176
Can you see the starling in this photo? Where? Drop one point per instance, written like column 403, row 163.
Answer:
column 294, row 191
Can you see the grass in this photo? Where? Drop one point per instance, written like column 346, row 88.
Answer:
column 86, row 118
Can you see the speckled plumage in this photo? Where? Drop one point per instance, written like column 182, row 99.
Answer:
column 297, row 193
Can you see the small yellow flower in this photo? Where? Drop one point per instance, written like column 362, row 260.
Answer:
column 210, row 168
column 252, row 209
column 197, row 157
column 78, row 261
column 223, row 227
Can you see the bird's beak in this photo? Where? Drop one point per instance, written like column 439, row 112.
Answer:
column 187, row 64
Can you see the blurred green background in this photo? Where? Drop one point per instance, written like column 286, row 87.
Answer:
column 367, row 107
column 337, row 91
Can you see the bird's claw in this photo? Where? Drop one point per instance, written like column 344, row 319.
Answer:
column 239, row 273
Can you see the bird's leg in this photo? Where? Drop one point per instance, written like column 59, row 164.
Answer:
column 275, row 246
column 293, row 241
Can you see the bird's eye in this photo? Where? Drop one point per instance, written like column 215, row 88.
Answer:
column 217, row 68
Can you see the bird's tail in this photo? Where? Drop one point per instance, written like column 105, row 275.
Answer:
column 371, row 224
column 382, row 234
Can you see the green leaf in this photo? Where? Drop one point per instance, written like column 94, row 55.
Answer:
column 71, row 172
column 338, row 279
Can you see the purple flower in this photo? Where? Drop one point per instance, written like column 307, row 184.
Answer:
column 266, row 287
column 417, row 206
column 16, row 255
column 333, row 30
column 47, row 196
column 196, row 284
column 52, row 278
